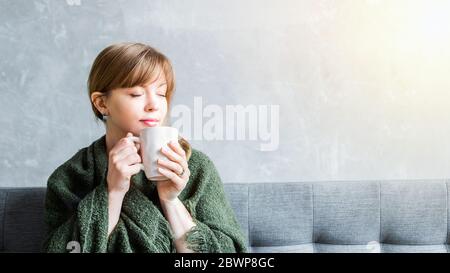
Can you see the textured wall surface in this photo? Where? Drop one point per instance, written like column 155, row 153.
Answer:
column 362, row 86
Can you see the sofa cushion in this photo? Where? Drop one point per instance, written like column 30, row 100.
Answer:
column 413, row 213
column 237, row 194
column 280, row 215
column 302, row 248
column 346, row 212
column 390, row 248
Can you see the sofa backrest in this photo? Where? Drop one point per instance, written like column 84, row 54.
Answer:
column 344, row 216
column 21, row 219
column 355, row 216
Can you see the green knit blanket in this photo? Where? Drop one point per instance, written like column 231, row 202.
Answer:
column 76, row 209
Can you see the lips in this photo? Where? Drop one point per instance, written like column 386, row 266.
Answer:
column 150, row 122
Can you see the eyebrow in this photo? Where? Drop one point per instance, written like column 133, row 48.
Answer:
column 164, row 83
column 131, row 88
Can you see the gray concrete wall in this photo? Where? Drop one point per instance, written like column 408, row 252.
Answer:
column 361, row 87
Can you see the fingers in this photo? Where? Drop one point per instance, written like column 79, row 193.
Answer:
column 172, row 166
column 175, row 165
column 124, row 156
column 132, row 159
column 129, row 166
column 134, row 169
column 128, row 171
column 129, row 150
column 125, row 152
column 179, row 182
column 176, row 147
column 174, row 156
column 123, row 144
column 137, row 144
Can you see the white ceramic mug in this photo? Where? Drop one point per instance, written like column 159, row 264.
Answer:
column 151, row 140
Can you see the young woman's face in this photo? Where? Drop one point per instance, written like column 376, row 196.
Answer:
column 132, row 109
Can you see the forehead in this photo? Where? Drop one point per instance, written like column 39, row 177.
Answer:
column 158, row 78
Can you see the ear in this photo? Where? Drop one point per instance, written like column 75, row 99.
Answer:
column 99, row 101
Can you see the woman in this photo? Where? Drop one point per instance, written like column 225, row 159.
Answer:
column 100, row 200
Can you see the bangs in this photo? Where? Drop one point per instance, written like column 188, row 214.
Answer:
column 144, row 68
column 147, row 68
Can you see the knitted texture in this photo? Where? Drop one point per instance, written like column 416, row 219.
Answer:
column 76, row 209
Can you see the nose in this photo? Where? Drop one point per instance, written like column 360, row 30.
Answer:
column 152, row 100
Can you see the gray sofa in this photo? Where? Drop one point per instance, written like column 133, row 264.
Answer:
column 354, row 216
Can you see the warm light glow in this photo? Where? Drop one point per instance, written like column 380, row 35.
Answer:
column 426, row 25
column 400, row 50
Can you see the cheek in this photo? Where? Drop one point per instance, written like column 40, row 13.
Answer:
column 127, row 109
column 163, row 106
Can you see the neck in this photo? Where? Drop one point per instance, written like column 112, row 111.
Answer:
column 113, row 135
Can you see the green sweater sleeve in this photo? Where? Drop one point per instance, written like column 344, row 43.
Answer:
column 71, row 219
column 141, row 227
column 217, row 229
column 76, row 212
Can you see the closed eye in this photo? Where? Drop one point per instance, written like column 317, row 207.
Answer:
column 164, row 90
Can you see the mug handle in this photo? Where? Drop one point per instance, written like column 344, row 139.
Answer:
column 137, row 140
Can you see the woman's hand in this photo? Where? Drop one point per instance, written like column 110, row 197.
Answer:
column 176, row 170
column 122, row 158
